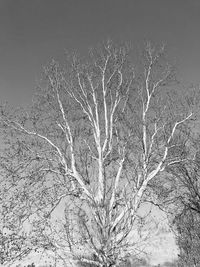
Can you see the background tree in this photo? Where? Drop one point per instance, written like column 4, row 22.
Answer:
column 97, row 134
column 187, row 209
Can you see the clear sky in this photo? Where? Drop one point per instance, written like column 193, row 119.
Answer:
column 34, row 31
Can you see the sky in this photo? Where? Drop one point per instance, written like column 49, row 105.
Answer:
column 34, row 32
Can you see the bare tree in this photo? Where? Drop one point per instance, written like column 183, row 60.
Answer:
column 187, row 208
column 188, row 238
column 98, row 133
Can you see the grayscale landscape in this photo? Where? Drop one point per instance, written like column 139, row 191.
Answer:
column 99, row 133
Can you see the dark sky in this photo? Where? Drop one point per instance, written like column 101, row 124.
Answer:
column 34, row 31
